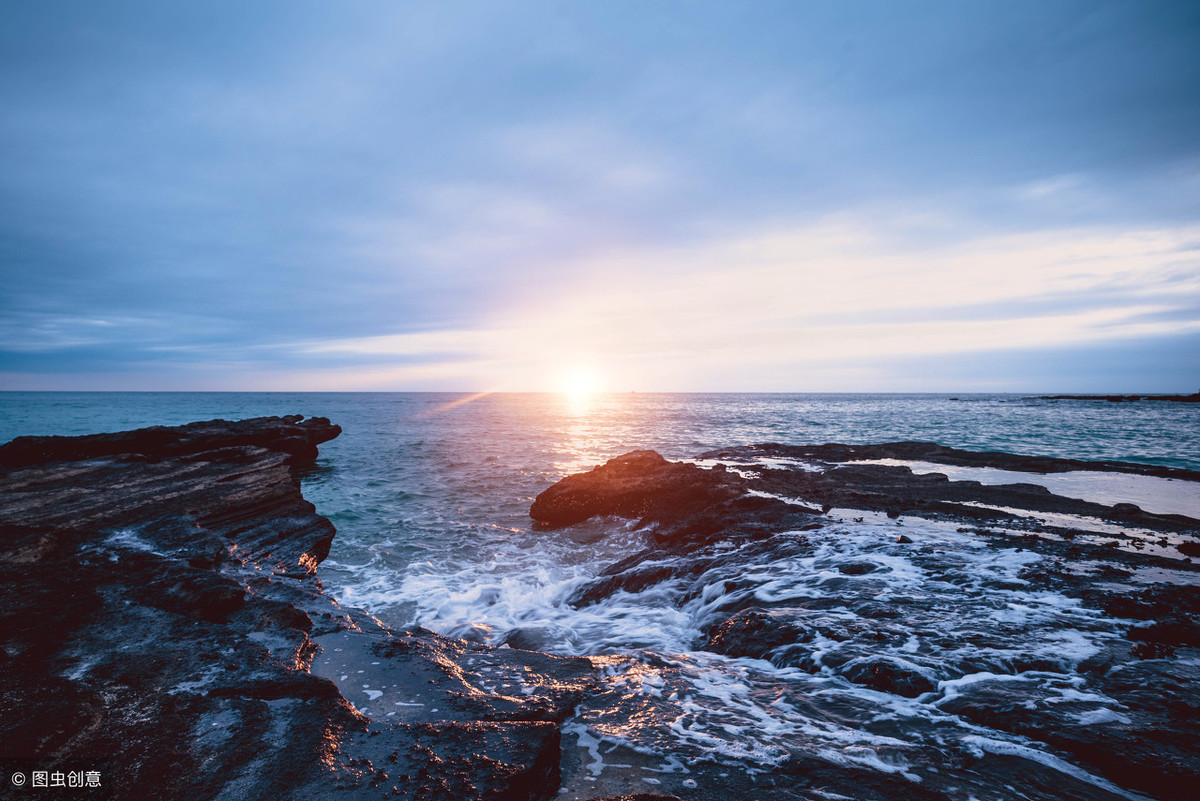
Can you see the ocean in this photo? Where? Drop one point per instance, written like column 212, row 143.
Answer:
column 430, row 494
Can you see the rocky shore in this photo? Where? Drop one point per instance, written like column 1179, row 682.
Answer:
column 1126, row 717
column 164, row 625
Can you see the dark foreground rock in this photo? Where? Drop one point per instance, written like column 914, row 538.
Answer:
column 162, row 626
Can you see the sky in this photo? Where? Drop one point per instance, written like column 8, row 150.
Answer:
column 512, row 196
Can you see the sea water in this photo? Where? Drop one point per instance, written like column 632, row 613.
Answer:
column 430, row 495
column 430, row 492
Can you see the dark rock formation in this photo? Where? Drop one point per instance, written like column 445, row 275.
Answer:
column 1193, row 398
column 932, row 452
column 1099, row 714
column 291, row 434
column 688, row 506
column 889, row 675
column 161, row 624
column 685, row 500
column 1136, row 745
column 756, row 633
column 222, row 499
column 640, row 484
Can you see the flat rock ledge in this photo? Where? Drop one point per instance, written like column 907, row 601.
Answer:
column 162, row 625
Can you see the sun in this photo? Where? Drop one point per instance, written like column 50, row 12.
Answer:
column 579, row 381
column 578, row 384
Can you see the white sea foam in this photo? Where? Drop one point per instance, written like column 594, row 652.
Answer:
column 1008, row 748
column 747, row 469
column 740, row 468
column 721, row 708
column 1094, row 531
column 126, row 539
column 948, row 607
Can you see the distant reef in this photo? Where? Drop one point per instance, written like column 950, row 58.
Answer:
column 1193, row 398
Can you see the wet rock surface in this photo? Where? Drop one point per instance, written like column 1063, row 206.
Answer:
column 640, row 484
column 290, row 434
column 162, row 625
column 858, row 631
column 1007, row 642
column 837, row 453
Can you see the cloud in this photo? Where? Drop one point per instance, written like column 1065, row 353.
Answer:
column 402, row 195
column 820, row 294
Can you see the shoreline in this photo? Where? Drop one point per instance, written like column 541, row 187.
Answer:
column 163, row 583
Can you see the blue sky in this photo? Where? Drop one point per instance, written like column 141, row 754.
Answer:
column 851, row 196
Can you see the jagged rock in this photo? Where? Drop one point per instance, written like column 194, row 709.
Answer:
column 639, row 484
column 1135, row 734
column 239, row 502
column 1135, row 743
column 467, row 755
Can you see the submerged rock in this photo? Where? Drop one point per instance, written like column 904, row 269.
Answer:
column 757, row 632
column 890, row 675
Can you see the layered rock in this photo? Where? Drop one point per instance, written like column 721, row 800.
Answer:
column 162, row 625
column 836, row 453
column 290, row 434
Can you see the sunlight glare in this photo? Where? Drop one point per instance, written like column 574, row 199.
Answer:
column 579, row 384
